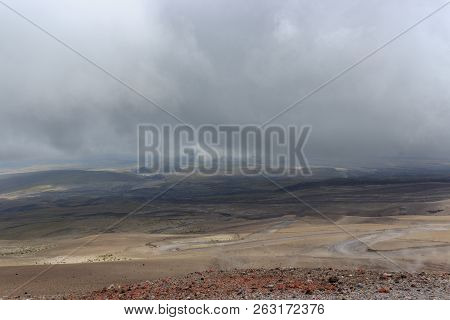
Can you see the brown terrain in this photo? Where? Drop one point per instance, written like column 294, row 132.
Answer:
column 292, row 283
column 413, row 243
column 226, row 239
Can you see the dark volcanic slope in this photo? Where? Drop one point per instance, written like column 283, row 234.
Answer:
column 88, row 201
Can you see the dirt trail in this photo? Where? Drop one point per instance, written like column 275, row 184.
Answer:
column 359, row 246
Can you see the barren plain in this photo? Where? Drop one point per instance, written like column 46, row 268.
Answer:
column 62, row 240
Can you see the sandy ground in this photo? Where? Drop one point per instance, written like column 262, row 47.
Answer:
column 63, row 266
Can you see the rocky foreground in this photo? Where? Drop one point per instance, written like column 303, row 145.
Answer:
column 292, row 283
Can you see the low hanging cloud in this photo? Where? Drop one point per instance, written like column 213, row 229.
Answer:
column 224, row 62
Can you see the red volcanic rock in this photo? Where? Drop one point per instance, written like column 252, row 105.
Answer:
column 279, row 283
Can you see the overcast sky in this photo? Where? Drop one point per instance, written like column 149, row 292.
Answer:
column 224, row 62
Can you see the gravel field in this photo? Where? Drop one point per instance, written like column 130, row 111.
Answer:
column 292, row 283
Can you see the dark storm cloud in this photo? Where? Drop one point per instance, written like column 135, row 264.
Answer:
column 224, row 62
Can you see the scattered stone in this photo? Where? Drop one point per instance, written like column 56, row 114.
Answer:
column 333, row 279
column 291, row 283
column 384, row 290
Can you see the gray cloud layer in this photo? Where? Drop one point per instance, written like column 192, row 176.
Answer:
column 224, row 62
